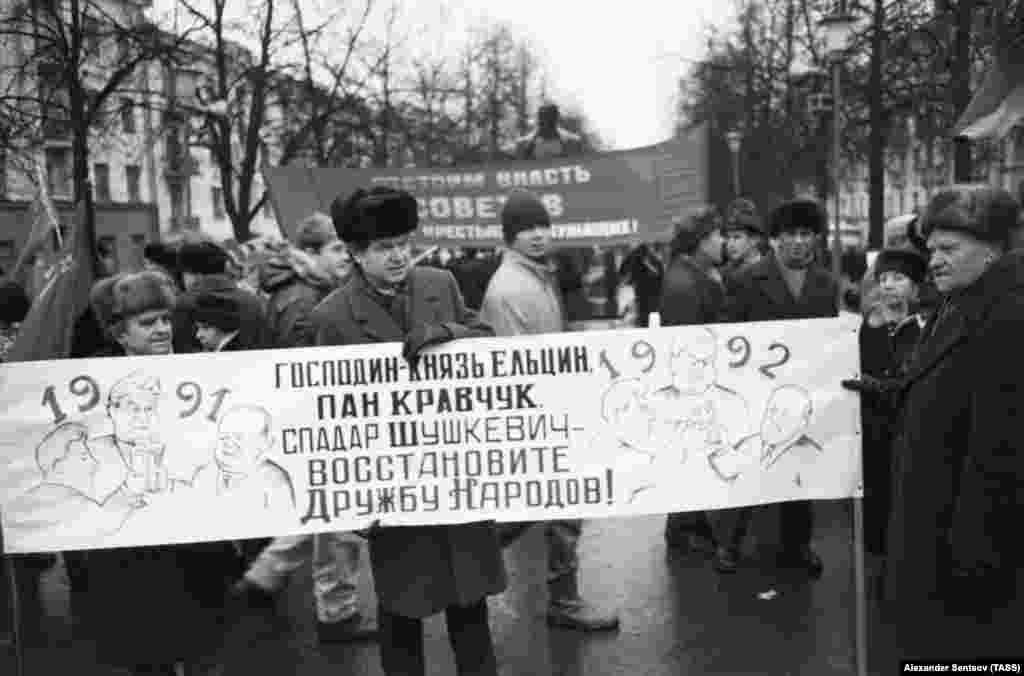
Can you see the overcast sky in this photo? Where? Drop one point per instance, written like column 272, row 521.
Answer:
column 617, row 61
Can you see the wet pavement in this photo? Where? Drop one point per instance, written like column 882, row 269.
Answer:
column 678, row 617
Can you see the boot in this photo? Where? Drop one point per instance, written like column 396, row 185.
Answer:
column 566, row 608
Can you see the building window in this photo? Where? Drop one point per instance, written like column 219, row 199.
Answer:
column 102, row 172
column 58, row 172
column 106, row 248
column 268, row 208
column 177, row 190
column 128, row 116
column 133, row 175
column 217, row 195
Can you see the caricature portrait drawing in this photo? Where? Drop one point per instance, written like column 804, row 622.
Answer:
column 65, row 502
column 240, row 470
column 781, row 446
column 695, row 411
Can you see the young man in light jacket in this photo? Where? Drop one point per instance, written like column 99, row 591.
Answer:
column 523, row 299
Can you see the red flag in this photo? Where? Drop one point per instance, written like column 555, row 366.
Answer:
column 47, row 330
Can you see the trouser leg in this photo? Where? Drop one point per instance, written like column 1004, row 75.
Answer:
column 276, row 562
column 401, row 644
column 336, row 558
column 562, row 541
column 796, row 522
column 470, row 637
column 730, row 526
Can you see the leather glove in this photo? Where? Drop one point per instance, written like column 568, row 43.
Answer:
column 421, row 337
column 369, row 531
column 869, row 385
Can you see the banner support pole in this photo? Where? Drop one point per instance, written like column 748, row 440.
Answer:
column 860, row 589
column 11, row 579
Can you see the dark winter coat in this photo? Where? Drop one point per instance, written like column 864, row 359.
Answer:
column 689, row 295
column 158, row 605
column 420, row 570
column 760, row 294
column 293, row 289
column 884, row 352
column 959, row 470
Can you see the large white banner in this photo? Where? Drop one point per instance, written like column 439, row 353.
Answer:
column 99, row 453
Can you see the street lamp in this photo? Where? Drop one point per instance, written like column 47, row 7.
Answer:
column 837, row 30
column 734, row 138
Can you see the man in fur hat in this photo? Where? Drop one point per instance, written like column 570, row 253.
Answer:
column 743, row 231
column 788, row 285
column 419, row 571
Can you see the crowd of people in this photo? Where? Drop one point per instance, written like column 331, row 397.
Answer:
column 943, row 313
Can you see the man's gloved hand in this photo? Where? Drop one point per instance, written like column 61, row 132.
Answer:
column 869, row 385
column 369, row 531
column 424, row 336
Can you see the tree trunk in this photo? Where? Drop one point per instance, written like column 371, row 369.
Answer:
column 876, row 150
column 961, row 91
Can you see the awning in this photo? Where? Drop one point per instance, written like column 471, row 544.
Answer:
column 998, row 105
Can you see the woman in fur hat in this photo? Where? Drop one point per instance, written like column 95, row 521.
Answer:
column 150, row 608
column 888, row 334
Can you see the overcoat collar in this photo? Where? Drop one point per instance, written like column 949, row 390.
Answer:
column 966, row 310
column 422, row 307
column 767, row 272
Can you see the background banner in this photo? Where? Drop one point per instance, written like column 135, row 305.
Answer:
column 602, row 199
column 126, row 451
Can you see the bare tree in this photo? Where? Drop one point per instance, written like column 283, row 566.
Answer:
column 64, row 65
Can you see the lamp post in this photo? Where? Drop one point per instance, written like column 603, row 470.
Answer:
column 837, row 29
column 734, row 138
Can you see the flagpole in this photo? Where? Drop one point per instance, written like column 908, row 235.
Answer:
column 11, row 578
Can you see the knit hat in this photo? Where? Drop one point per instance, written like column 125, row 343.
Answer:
column 216, row 309
column 381, row 213
column 909, row 262
column 986, row 212
column 801, row 213
column 694, row 227
column 14, row 303
column 742, row 215
column 522, row 211
column 314, row 231
column 202, row 258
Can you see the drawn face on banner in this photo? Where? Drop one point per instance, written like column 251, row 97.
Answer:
column 693, row 363
column 243, row 438
column 147, row 334
column 65, row 458
column 786, row 416
column 624, row 410
column 386, row 261
column 133, row 408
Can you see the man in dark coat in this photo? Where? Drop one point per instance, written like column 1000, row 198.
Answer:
column 788, row 285
column 954, row 561
column 692, row 294
column 744, row 232
column 422, row 570
column 644, row 270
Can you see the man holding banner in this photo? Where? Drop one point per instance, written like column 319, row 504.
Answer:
column 419, row 571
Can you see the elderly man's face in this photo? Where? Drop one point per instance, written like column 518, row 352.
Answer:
column 78, row 467
column 957, row 259
column 242, row 441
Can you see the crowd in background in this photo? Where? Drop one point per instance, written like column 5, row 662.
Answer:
column 943, row 313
